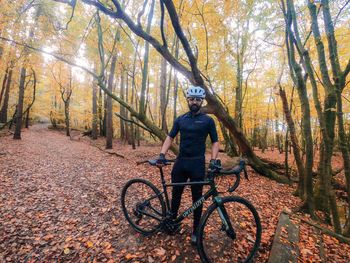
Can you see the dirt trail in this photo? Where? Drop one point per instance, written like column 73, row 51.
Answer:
column 59, row 199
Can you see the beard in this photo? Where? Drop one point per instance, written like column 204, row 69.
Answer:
column 194, row 108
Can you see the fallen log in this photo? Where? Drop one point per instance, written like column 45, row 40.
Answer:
column 324, row 230
column 105, row 151
column 280, row 168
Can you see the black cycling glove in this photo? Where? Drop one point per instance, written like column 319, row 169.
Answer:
column 161, row 159
column 215, row 164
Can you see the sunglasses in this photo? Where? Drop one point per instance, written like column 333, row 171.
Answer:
column 195, row 99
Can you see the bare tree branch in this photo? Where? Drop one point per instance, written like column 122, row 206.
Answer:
column 162, row 23
column 133, row 122
column 346, row 70
column 341, row 9
column 50, row 54
column 140, row 14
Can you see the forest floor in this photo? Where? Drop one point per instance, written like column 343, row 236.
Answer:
column 59, row 201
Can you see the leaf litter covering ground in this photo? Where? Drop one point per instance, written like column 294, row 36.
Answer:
column 59, row 200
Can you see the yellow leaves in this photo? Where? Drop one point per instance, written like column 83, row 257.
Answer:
column 66, row 251
column 89, row 244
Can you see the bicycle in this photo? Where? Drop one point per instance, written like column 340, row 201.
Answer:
column 229, row 230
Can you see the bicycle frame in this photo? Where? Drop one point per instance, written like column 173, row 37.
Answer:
column 211, row 192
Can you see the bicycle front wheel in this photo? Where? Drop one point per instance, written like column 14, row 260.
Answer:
column 237, row 239
column 143, row 206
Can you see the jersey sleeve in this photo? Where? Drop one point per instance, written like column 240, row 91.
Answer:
column 212, row 131
column 175, row 129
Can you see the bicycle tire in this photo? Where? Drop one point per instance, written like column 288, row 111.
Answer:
column 236, row 251
column 141, row 201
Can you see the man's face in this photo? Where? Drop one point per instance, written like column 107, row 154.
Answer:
column 194, row 104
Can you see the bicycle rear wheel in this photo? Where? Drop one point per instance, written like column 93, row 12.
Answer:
column 143, row 206
column 218, row 244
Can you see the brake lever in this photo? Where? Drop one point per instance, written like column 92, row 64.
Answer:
column 245, row 173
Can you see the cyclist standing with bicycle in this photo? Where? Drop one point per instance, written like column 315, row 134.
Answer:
column 194, row 127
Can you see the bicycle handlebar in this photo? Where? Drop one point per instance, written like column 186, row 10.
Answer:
column 236, row 170
column 154, row 162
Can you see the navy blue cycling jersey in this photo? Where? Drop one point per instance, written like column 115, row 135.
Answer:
column 194, row 130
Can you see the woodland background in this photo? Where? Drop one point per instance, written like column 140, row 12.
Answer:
column 276, row 73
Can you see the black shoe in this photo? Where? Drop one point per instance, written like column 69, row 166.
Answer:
column 193, row 239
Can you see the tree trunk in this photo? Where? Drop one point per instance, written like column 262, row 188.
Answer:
column 109, row 122
column 13, row 118
column 33, row 100
column 4, row 84
column 94, row 111
column 345, row 153
column 105, row 114
column 230, row 148
column 101, row 111
column 239, row 90
column 163, row 95
column 286, row 142
column 122, row 109
column 27, row 118
column 263, row 138
column 323, row 194
column 3, row 111
column 176, row 86
column 66, row 116
column 17, row 134
column 133, row 101
column 143, row 97
column 330, row 100
column 299, row 81
column 127, row 125
column 294, row 140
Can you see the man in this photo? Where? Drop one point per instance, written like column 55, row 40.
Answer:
column 194, row 127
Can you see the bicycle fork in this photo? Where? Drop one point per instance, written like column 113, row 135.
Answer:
column 226, row 223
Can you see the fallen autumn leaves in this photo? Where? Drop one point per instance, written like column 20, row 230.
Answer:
column 59, row 200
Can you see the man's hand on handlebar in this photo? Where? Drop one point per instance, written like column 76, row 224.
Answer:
column 215, row 165
column 161, row 161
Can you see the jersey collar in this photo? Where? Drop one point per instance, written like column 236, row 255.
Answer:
column 189, row 114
